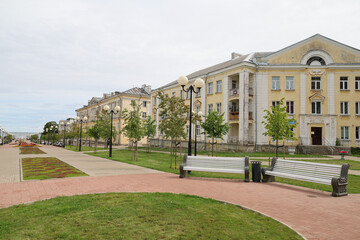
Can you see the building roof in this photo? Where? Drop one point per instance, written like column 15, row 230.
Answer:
column 136, row 91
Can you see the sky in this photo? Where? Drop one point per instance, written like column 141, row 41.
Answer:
column 56, row 55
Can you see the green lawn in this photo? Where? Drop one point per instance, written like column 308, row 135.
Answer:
column 240, row 154
column 161, row 161
column 83, row 148
column 31, row 150
column 137, row 216
column 48, row 167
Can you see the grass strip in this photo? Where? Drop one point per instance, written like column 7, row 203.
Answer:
column 83, row 148
column 161, row 161
column 48, row 167
column 137, row 216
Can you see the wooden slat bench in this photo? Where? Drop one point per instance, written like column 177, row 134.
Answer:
column 215, row 164
column 329, row 174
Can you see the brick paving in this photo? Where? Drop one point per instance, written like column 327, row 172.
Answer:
column 312, row 213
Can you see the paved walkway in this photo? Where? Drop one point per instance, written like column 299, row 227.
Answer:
column 314, row 214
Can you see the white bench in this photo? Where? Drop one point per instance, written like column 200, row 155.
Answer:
column 329, row 174
column 215, row 164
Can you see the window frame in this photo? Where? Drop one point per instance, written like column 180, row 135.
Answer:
column 290, row 105
column 317, row 105
column 210, row 88
column 275, row 103
column 344, row 133
column 344, row 82
column 342, row 108
column 210, row 108
column 315, row 83
column 290, row 83
column 357, row 132
column 357, row 83
column 275, row 83
column 218, row 107
column 219, row 86
column 357, row 108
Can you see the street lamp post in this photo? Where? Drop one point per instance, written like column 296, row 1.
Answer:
column 64, row 124
column 199, row 83
column 54, row 129
column 199, row 114
column 115, row 110
column 80, row 121
column 47, row 132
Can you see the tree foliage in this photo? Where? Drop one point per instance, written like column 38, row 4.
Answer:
column 277, row 124
column 94, row 132
column 133, row 128
column 104, row 124
column 149, row 130
column 215, row 127
column 172, row 119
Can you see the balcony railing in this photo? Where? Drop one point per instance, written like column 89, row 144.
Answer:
column 234, row 116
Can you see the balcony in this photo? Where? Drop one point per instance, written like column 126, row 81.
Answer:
column 251, row 93
column 251, row 118
column 234, row 116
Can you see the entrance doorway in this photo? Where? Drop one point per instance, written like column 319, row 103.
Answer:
column 316, row 135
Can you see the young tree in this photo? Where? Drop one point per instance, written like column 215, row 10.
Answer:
column 215, row 127
column 149, row 130
column 104, row 123
column 94, row 132
column 173, row 120
column 133, row 128
column 277, row 124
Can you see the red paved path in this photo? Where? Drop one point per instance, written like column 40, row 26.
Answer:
column 314, row 214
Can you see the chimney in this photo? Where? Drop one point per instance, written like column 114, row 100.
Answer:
column 147, row 88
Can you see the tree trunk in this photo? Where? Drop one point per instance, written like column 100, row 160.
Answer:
column 96, row 142
column 181, row 159
column 175, row 153
column 269, row 154
column 277, row 145
column 136, row 151
column 171, row 153
column 212, row 147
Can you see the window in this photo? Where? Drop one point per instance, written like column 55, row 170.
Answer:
column 344, row 108
column 210, row 88
column 188, row 95
column 144, row 104
column 275, row 83
column 344, row 83
column 290, row 107
column 187, row 130
column 144, row 114
column 210, row 108
column 289, row 83
column 198, row 94
column 154, row 100
column 219, row 86
column 357, row 83
column 182, row 94
column 218, row 107
column 345, row 133
column 197, row 109
column 233, row 84
column 197, row 130
column 173, row 94
column 316, row 108
column 275, row 103
column 154, row 115
column 357, row 133
column 315, row 83
column 357, row 108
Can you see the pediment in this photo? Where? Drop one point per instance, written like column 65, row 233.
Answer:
column 315, row 49
column 317, row 97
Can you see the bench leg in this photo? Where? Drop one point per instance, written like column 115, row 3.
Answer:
column 267, row 178
column 182, row 171
column 339, row 187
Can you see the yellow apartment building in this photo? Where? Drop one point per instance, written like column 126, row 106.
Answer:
column 122, row 99
column 318, row 77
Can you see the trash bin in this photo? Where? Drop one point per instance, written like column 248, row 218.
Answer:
column 256, row 171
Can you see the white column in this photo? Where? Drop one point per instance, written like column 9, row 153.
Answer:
column 302, row 93
column 331, row 93
column 226, row 103
column 241, row 107
column 262, row 99
column 203, row 106
column 246, row 106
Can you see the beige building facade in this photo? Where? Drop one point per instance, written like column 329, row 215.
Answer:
column 121, row 99
column 318, row 77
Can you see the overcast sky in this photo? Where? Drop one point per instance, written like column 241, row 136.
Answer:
column 56, row 55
